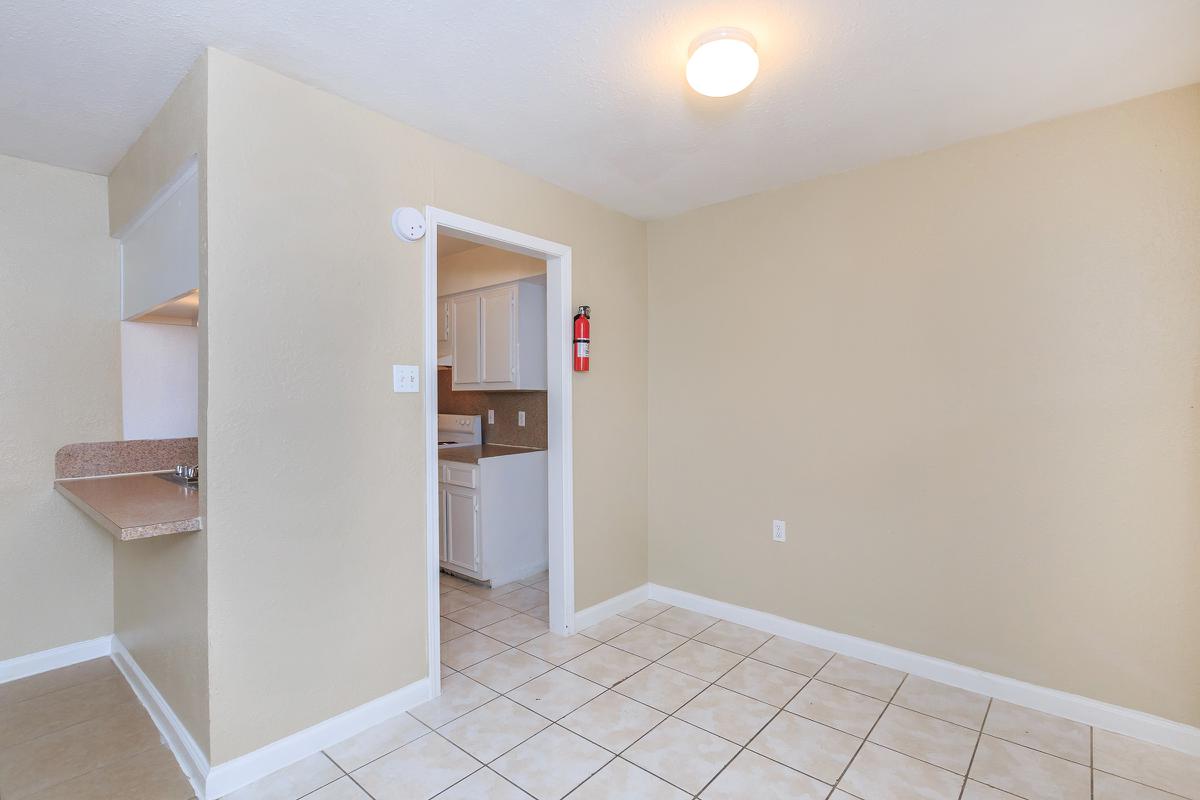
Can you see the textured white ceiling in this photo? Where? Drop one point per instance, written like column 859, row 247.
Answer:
column 590, row 95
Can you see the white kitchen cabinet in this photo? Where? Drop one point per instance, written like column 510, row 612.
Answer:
column 160, row 250
column 499, row 337
column 443, row 325
column 494, row 517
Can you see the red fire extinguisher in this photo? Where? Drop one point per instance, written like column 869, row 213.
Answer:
column 583, row 339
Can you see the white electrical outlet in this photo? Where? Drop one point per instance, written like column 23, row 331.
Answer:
column 521, row 419
column 406, row 378
column 491, row 417
column 779, row 530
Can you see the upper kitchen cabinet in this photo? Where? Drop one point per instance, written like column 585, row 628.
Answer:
column 498, row 337
column 160, row 256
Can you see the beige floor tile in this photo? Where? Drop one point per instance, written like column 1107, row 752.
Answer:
column 752, row 776
column 738, row 638
column 682, row 754
column 466, row 650
column 456, row 600
column 605, row 665
column 848, row 711
column 530, row 580
column 68, row 753
column 1148, row 764
column 974, row 790
column 292, row 782
column 572, row 760
column 645, row 610
column 727, row 714
column 944, row 702
column 812, row 748
column 516, row 630
column 453, row 581
column 53, row 681
column 620, row 779
column 491, row 593
column 558, row 649
column 481, row 614
column 1110, row 787
column 152, row 774
column 941, row 743
column 54, row 711
column 452, row 630
column 794, row 656
column 556, row 694
column 417, row 771
column 541, row 612
column 881, row 774
column 523, row 599
column 661, row 687
column 459, row 695
column 493, row 729
column 507, row 670
column 607, row 629
column 482, row 785
column 1046, row 732
column 861, row 676
column 542, row 585
column 838, row 794
column 376, row 741
column 762, row 681
column 343, row 788
column 1029, row 773
column 648, row 641
column 612, row 720
column 446, row 671
column 701, row 660
column 681, row 621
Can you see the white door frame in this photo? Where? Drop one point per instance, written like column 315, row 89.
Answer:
column 559, row 322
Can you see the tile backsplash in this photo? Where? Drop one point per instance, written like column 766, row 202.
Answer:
column 506, row 405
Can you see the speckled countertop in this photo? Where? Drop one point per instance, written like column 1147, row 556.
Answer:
column 135, row 506
column 471, row 454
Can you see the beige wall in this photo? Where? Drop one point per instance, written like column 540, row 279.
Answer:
column 316, row 507
column 160, row 589
column 60, row 382
column 484, row 266
column 968, row 380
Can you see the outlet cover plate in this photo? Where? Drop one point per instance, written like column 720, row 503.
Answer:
column 779, row 530
column 406, row 378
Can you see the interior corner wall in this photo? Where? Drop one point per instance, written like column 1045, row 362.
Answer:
column 160, row 585
column 968, row 381
column 59, row 383
column 316, row 469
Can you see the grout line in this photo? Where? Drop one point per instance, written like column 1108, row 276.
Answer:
column 978, row 739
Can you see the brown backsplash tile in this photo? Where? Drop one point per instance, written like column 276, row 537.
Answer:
column 506, row 405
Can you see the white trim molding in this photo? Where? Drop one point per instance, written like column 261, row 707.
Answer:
column 613, row 605
column 55, row 658
column 187, row 752
column 1118, row 719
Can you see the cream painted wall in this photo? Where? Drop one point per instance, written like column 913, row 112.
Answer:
column 315, row 487
column 484, row 266
column 968, row 380
column 160, row 589
column 60, row 382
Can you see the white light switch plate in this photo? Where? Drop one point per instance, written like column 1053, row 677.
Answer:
column 406, row 378
column 491, row 416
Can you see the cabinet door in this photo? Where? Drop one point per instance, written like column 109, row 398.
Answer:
column 465, row 313
column 499, row 335
column 443, row 549
column 443, row 323
column 462, row 528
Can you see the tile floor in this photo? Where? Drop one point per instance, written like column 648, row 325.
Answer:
column 663, row 703
column 79, row 733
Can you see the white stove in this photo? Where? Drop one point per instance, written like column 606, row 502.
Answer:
column 459, row 430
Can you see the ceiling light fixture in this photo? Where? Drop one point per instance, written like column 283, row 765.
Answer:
column 722, row 62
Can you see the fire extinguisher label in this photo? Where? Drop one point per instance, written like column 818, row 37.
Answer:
column 582, row 349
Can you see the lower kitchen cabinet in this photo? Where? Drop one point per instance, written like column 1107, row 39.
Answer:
column 493, row 520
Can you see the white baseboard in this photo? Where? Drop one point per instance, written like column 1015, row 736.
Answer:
column 1118, row 719
column 613, row 605
column 55, row 658
column 187, row 752
column 233, row 775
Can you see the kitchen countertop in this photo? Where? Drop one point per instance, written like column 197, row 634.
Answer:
column 135, row 506
column 472, row 453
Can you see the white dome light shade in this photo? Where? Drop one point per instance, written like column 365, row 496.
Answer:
column 722, row 62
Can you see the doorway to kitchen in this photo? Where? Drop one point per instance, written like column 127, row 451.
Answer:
column 554, row 371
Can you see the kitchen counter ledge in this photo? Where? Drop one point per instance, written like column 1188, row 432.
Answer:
column 472, row 453
column 135, row 506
